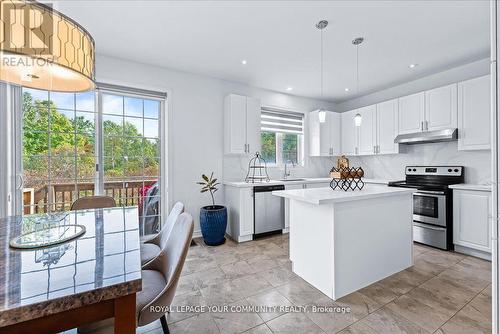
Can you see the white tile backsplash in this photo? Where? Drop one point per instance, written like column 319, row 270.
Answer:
column 477, row 163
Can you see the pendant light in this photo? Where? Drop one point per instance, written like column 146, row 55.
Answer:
column 44, row 49
column 321, row 25
column 356, row 42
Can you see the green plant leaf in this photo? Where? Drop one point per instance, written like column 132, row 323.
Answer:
column 205, row 177
column 204, row 190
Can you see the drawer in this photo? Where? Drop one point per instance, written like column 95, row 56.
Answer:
column 429, row 235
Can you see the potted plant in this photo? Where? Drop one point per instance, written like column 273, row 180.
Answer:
column 213, row 218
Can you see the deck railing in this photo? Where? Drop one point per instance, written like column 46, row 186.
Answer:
column 59, row 197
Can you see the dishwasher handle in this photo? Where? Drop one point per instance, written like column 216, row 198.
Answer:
column 263, row 189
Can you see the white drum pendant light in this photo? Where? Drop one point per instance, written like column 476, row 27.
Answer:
column 356, row 42
column 321, row 25
column 44, row 49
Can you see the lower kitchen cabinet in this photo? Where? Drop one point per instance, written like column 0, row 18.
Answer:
column 471, row 222
column 239, row 202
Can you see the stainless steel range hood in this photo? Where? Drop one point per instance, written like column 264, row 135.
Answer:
column 427, row 137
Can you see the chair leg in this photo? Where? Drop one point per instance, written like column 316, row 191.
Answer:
column 164, row 324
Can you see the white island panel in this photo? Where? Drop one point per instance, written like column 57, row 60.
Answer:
column 342, row 241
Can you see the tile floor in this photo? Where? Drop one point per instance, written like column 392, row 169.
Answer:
column 443, row 293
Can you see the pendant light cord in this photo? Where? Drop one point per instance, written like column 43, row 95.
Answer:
column 321, row 56
column 357, row 69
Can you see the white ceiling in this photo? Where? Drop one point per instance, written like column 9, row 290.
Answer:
column 281, row 44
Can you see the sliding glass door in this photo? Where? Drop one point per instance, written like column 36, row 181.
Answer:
column 58, row 149
column 131, row 150
column 105, row 142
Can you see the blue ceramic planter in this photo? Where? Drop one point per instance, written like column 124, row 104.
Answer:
column 213, row 222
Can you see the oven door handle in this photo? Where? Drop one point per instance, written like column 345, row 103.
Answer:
column 427, row 193
column 429, row 226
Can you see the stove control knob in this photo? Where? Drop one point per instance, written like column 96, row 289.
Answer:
column 449, row 170
column 414, row 169
column 409, row 169
column 456, row 170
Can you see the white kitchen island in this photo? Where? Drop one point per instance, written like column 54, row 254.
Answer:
column 343, row 241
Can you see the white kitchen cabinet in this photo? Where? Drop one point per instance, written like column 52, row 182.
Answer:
column 387, row 127
column 324, row 138
column 240, row 204
column 474, row 114
column 349, row 133
column 471, row 219
column 367, row 130
column 411, row 113
column 287, row 204
column 441, row 108
column 379, row 127
column 241, row 124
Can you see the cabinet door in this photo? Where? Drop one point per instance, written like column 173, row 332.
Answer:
column 325, row 136
column 387, row 127
column 253, row 124
column 287, row 202
column 367, row 130
column 474, row 117
column 235, row 124
column 411, row 113
column 314, row 134
column 335, row 133
column 471, row 223
column 349, row 133
column 441, row 108
column 246, row 212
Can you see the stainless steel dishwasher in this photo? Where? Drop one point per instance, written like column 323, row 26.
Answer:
column 269, row 211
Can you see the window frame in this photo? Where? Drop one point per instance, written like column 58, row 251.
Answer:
column 301, row 154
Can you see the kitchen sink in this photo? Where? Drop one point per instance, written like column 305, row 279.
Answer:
column 288, row 180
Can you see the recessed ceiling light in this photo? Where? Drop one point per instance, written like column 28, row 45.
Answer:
column 244, row 62
column 346, row 89
column 289, row 88
column 412, row 65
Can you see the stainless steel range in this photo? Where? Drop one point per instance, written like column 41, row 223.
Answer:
column 432, row 203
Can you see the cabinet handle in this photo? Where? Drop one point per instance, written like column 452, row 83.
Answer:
column 426, row 126
column 378, row 148
column 422, row 126
column 374, row 149
column 355, row 150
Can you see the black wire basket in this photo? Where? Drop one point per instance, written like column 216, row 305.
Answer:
column 346, row 178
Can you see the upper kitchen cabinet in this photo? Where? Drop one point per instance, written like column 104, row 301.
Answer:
column 324, row 138
column 367, row 130
column 474, row 114
column 411, row 113
column 349, row 133
column 387, row 127
column 441, row 108
column 241, row 124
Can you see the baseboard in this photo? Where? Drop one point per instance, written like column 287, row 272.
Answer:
column 473, row 252
column 197, row 234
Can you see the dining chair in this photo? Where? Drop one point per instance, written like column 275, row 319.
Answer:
column 152, row 245
column 159, row 280
column 93, row 202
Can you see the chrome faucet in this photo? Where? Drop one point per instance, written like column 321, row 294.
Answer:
column 287, row 172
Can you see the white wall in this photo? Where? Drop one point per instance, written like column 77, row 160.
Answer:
column 477, row 163
column 195, row 107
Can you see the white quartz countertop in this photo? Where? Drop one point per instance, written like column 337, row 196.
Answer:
column 328, row 196
column 293, row 180
column 469, row 186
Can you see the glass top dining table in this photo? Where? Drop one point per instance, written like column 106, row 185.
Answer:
column 102, row 264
